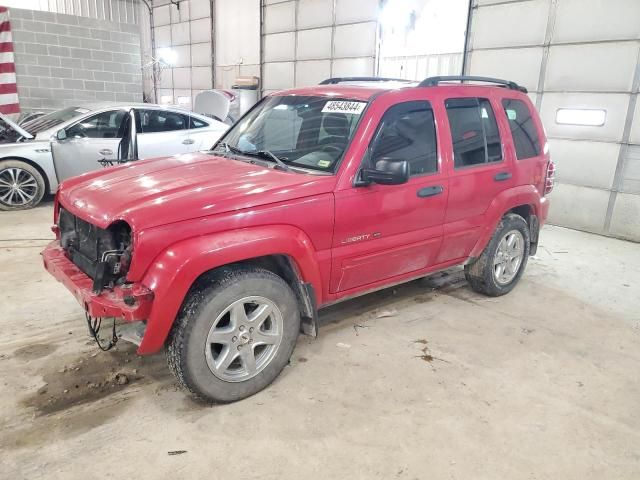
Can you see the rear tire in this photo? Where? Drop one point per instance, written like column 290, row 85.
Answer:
column 499, row 268
column 21, row 185
column 234, row 334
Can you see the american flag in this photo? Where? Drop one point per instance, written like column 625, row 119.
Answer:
column 8, row 89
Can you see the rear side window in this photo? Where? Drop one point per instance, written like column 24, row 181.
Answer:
column 197, row 123
column 474, row 131
column 407, row 131
column 523, row 129
column 154, row 121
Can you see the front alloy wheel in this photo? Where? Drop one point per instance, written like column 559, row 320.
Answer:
column 21, row 185
column 244, row 339
column 234, row 334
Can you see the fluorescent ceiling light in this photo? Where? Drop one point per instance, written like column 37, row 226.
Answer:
column 581, row 116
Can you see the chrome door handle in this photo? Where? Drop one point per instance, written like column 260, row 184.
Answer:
column 430, row 191
column 105, row 151
column 188, row 141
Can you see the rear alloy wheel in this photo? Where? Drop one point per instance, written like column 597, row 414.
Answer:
column 21, row 185
column 497, row 270
column 234, row 334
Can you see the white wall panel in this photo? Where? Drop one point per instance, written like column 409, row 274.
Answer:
column 625, row 221
column 163, row 36
column 614, row 104
column 181, row 14
column 201, row 54
column 315, row 13
column 312, row 72
column 201, row 30
column 161, row 16
column 491, row 2
column 202, row 8
column 583, row 208
column 592, row 164
column 631, row 170
column 592, row 67
column 280, row 17
column 314, row 44
column 635, row 126
column 201, row 78
column 279, row 47
column 353, row 67
column 237, row 32
column 349, row 11
column 511, row 24
column 180, row 34
column 183, row 55
column 580, row 20
column 182, row 77
column 355, row 40
column 522, row 65
column 278, row 75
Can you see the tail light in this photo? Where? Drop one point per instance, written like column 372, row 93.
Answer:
column 549, row 180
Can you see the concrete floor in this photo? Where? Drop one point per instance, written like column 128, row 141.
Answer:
column 542, row 383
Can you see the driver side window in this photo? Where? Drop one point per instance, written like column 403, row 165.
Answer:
column 102, row 125
column 407, row 131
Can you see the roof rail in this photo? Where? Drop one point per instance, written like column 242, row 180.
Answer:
column 335, row 80
column 434, row 81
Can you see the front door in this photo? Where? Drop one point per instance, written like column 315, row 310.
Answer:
column 91, row 140
column 387, row 231
column 162, row 133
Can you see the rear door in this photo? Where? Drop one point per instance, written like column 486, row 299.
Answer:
column 387, row 231
column 480, row 171
column 162, row 133
column 87, row 142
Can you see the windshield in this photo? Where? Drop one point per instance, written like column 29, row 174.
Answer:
column 52, row 119
column 305, row 131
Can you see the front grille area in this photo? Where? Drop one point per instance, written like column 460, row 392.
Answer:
column 102, row 254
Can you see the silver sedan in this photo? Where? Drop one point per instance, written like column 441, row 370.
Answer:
column 38, row 154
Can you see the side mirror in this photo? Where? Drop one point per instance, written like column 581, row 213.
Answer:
column 387, row 172
column 61, row 134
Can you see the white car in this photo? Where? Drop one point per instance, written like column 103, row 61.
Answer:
column 40, row 153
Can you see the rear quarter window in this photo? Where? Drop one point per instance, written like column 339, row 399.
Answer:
column 523, row 129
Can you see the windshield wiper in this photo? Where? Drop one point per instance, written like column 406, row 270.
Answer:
column 267, row 153
column 258, row 153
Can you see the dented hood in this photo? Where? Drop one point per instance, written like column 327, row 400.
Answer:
column 165, row 190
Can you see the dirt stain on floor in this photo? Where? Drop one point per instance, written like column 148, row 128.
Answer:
column 37, row 350
column 77, row 381
column 83, row 392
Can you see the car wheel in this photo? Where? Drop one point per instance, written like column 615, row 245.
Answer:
column 234, row 334
column 21, row 185
column 497, row 270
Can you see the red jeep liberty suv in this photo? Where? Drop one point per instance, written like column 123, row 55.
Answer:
column 316, row 195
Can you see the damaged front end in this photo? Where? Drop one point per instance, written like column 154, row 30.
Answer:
column 103, row 256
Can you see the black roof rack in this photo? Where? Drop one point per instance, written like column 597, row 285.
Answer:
column 434, row 81
column 334, row 80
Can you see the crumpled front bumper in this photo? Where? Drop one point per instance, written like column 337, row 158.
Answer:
column 130, row 302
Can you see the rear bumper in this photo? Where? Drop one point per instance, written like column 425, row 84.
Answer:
column 131, row 303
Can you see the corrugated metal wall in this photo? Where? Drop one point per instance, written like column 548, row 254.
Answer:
column 581, row 56
column 121, row 11
column 306, row 41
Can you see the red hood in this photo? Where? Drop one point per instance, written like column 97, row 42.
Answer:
column 165, row 190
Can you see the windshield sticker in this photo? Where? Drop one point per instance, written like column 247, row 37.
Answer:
column 343, row 106
column 324, row 163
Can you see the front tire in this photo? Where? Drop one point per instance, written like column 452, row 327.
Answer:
column 21, row 185
column 499, row 268
column 234, row 334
